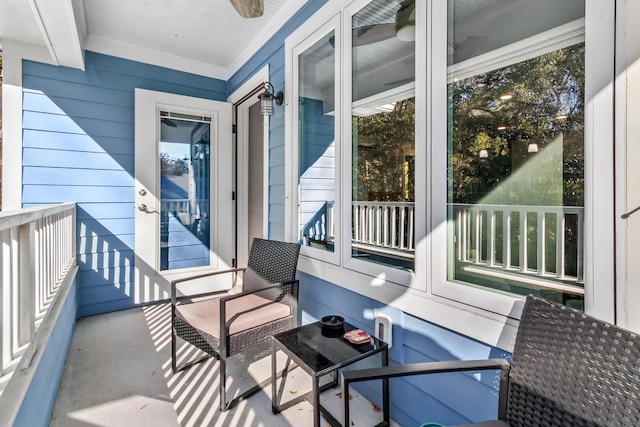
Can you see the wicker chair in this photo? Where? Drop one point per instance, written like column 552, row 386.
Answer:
column 224, row 325
column 568, row 369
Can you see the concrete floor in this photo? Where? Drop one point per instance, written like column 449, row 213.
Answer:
column 118, row 373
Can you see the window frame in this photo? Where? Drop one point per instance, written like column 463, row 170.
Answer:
column 332, row 23
column 598, row 18
column 478, row 313
column 349, row 262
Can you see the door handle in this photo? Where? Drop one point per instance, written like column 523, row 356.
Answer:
column 145, row 208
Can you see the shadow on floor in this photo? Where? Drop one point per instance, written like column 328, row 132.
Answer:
column 118, row 373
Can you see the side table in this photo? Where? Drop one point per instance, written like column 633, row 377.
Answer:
column 320, row 354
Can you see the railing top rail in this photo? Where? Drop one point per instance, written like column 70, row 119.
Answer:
column 530, row 208
column 18, row 217
column 380, row 203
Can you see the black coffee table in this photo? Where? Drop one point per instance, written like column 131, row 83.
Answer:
column 320, row 354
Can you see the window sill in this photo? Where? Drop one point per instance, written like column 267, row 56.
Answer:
column 485, row 326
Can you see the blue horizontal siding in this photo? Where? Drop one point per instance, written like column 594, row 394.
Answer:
column 78, row 139
column 449, row 399
column 114, row 277
column 105, row 210
column 76, row 142
column 75, row 108
column 105, row 260
column 77, row 160
column 35, row 175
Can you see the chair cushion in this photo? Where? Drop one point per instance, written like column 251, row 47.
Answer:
column 251, row 311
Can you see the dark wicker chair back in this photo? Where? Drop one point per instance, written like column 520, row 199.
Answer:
column 272, row 262
column 570, row 369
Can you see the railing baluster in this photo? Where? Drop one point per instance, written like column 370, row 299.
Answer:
column 560, row 244
column 411, row 233
column 394, row 227
column 5, row 298
column 378, row 225
column 524, row 234
column 465, row 236
column 541, row 245
column 457, row 243
column 477, row 219
column 37, row 249
column 580, row 260
column 491, row 237
column 401, row 228
column 26, row 300
column 506, row 239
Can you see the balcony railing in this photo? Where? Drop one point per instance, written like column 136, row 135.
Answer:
column 538, row 242
column 37, row 260
column 544, row 242
column 388, row 225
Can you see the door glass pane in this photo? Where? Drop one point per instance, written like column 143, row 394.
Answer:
column 185, row 170
column 317, row 149
column 383, row 120
column 516, row 147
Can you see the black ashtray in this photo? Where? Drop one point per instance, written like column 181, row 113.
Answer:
column 332, row 323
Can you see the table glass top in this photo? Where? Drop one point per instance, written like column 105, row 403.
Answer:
column 324, row 352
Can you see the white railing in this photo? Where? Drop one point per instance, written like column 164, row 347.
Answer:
column 37, row 259
column 389, row 225
column 542, row 241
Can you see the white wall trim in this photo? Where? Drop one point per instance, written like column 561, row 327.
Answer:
column 627, row 146
column 599, row 190
column 242, row 155
column 13, row 54
column 154, row 57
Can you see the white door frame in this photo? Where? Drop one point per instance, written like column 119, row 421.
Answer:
column 151, row 284
column 242, row 160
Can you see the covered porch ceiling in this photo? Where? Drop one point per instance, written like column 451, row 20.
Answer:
column 206, row 37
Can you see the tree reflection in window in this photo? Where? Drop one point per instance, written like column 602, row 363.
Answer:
column 516, row 166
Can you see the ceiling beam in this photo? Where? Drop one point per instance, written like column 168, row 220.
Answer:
column 63, row 29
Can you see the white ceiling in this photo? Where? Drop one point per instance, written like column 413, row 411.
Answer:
column 205, row 37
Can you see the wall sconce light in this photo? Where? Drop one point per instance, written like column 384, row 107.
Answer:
column 532, row 148
column 484, row 154
column 267, row 97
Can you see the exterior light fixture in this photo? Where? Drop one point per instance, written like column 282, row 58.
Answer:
column 267, row 97
column 532, row 148
column 406, row 21
column 502, row 128
column 484, row 154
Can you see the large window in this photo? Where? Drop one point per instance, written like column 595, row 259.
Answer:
column 383, row 138
column 516, row 148
column 471, row 141
column 317, row 144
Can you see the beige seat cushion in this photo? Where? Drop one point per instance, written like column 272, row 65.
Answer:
column 252, row 310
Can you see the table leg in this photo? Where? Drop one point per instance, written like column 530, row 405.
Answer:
column 385, row 389
column 274, row 378
column 315, row 397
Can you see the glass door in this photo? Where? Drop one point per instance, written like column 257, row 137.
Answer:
column 185, row 190
column 183, row 196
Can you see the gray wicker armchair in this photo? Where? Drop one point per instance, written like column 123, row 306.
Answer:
column 568, row 369
column 222, row 326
